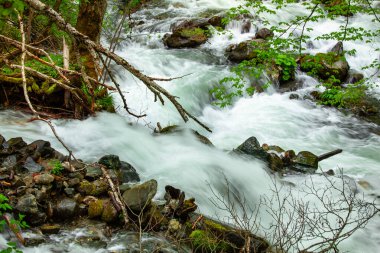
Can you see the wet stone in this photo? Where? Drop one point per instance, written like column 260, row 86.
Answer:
column 129, row 173
column 69, row 191
column 93, row 172
column 44, row 179
column 31, row 165
column 10, row 161
column 112, row 162
column 27, row 204
column 16, row 143
column 48, row 229
column 140, row 196
column 66, row 208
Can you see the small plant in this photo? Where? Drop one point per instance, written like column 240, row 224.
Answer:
column 57, row 167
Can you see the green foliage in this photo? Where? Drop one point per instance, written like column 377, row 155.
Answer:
column 265, row 59
column 10, row 8
column 102, row 99
column 12, row 248
column 57, row 167
column 4, row 207
column 337, row 96
column 57, row 59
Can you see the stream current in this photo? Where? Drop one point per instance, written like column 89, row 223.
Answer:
column 180, row 160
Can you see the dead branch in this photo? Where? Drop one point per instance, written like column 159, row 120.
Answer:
column 38, row 5
column 116, row 195
column 105, row 67
column 14, row 229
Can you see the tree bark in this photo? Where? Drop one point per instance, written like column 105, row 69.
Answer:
column 89, row 23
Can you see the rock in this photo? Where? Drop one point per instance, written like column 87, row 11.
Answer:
column 275, row 162
column 338, row 48
column 252, row 147
column 95, row 208
column 66, row 208
column 31, row 165
column 27, row 204
column 325, row 66
column 93, row 172
column 41, row 149
column 69, row 191
column 16, row 143
column 48, row 229
column 32, row 239
column 306, row 159
column 191, row 37
column 128, row 173
column 354, row 76
column 2, row 140
column 365, row 184
column 244, row 50
column 203, row 139
column 10, row 161
column 139, row 196
column 112, row 162
column 96, row 188
column 44, row 179
column 216, row 21
column 263, row 33
column 73, row 182
column 294, row 96
column 41, row 195
column 109, row 213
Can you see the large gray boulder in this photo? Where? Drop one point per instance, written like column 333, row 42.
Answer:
column 140, row 196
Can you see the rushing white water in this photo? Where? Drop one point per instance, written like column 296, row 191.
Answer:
column 180, row 160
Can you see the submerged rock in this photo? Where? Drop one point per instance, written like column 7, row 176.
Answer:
column 140, row 196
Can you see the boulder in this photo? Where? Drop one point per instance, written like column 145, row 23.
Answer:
column 112, row 162
column 275, row 162
column 128, row 173
column 263, row 33
column 140, row 196
column 338, row 48
column 16, row 143
column 96, row 188
column 189, row 37
column 244, row 50
column 66, row 208
column 109, row 213
column 306, row 161
column 252, row 147
column 93, row 172
column 325, row 66
column 41, row 149
column 95, row 208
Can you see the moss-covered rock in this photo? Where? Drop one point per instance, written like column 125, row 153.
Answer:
column 326, row 66
column 245, row 50
column 96, row 188
column 95, row 208
column 109, row 213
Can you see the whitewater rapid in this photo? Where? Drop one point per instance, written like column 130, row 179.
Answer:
column 180, row 160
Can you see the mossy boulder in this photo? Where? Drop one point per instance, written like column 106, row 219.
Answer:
column 306, row 161
column 245, row 50
column 188, row 37
column 109, row 213
column 326, row 66
column 95, row 208
column 213, row 236
column 96, row 188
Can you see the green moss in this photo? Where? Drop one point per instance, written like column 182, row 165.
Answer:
column 95, row 208
column 192, row 32
column 205, row 242
column 215, row 226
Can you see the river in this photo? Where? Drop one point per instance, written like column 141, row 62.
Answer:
column 180, row 160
